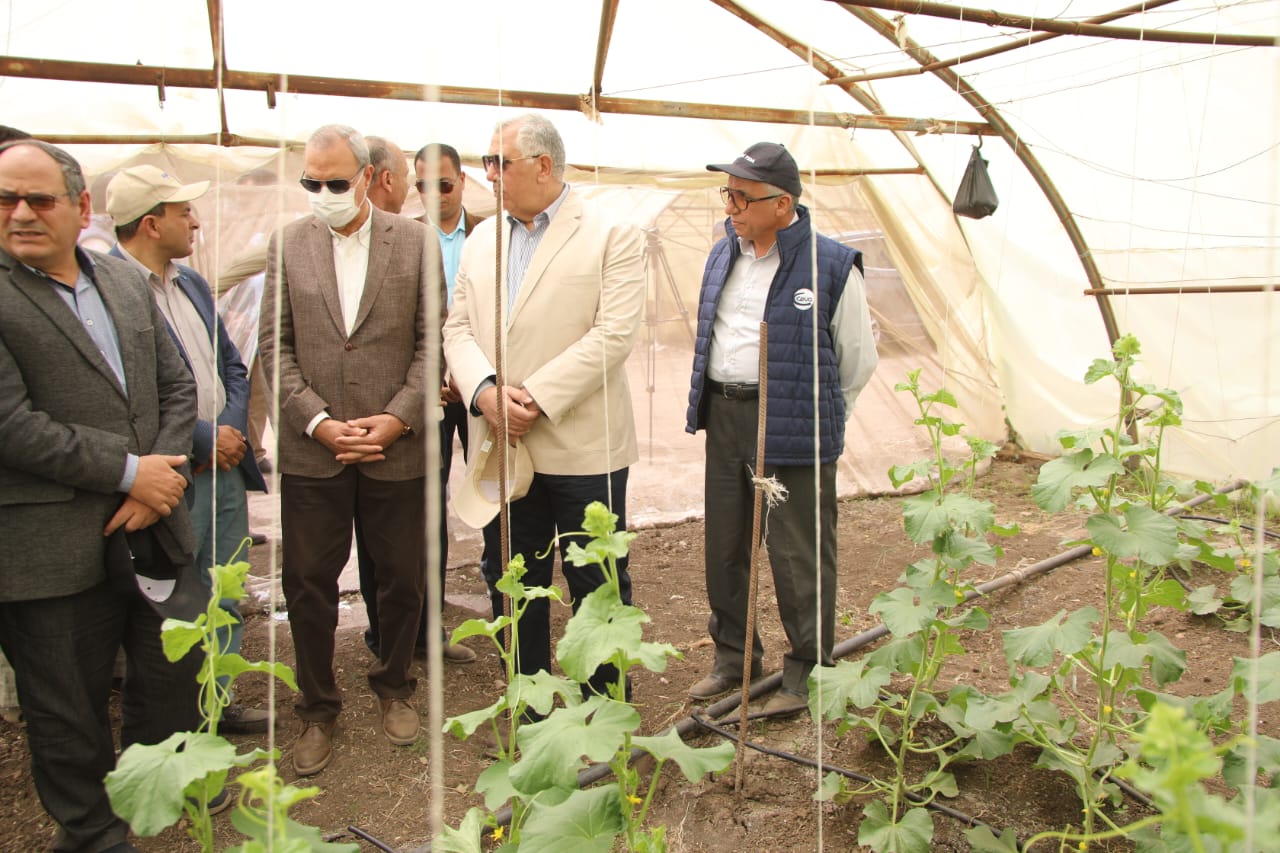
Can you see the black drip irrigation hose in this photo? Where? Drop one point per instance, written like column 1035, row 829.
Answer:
column 596, row 772
column 1270, row 534
column 918, row 799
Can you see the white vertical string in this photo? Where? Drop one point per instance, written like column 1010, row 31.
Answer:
column 817, row 453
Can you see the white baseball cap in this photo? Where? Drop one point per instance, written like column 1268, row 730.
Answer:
column 137, row 189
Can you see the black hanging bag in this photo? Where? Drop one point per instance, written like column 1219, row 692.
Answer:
column 976, row 197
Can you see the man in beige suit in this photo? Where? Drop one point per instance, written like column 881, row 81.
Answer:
column 344, row 344
column 572, row 296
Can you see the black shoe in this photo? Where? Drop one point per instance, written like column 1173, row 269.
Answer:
column 256, row 538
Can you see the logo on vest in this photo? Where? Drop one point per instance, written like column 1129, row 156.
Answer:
column 803, row 300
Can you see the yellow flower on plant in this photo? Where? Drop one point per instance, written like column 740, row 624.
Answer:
column 1245, row 562
column 634, row 800
column 498, row 832
column 1106, row 709
column 1097, row 552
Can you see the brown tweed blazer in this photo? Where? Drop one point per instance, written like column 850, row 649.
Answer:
column 382, row 367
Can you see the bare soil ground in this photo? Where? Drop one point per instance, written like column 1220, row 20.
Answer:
column 385, row 790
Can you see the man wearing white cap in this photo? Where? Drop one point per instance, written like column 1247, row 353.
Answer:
column 156, row 225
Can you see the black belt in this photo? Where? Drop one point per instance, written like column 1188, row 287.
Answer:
column 734, row 390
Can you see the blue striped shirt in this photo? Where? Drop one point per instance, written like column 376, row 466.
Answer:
column 525, row 242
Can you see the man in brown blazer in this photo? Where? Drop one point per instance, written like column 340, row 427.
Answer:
column 572, row 297
column 345, row 348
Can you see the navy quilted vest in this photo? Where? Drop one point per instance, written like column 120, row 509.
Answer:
column 789, row 313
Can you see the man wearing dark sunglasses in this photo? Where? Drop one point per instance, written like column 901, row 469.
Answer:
column 344, row 343
column 762, row 271
column 96, row 416
column 572, row 292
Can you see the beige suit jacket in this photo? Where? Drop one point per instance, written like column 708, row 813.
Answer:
column 567, row 336
column 381, row 367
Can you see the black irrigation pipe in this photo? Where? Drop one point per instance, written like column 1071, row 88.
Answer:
column 918, row 799
column 1268, row 533
column 596, row 772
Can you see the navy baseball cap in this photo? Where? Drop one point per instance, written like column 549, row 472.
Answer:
column 767, row 162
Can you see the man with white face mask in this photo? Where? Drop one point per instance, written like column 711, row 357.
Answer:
column 344, row 343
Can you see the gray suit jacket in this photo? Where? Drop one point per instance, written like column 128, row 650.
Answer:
column 381, row 367
column 66, row 426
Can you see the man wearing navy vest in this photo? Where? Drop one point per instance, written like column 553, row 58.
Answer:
column 155, row 226
column 763, row 270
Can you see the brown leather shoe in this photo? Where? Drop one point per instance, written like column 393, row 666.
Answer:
column 711, row 687
column 399, row 721
column 313, row 749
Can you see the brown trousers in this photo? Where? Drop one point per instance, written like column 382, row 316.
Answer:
column 316, row 518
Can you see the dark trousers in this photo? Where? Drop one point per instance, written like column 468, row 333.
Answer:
column 455, row 419
column 63, row 651
column 555, row 503
column 316, row 520
column 791, row 544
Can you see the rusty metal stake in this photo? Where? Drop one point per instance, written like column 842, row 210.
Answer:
column 748, row 644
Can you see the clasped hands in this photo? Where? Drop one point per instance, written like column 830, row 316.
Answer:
column 522, row 410
column 359, row 440
column 157, row 489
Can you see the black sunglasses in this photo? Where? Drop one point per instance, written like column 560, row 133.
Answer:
column 740, row 201
column 39, row 202
column 337, row 186
column 446, row 186
column 493, row 161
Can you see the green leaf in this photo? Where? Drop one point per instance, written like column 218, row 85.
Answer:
column 233, row 666
column 587, row 822
column 848, row 682
column 966, row 549
column 1036, row 645
column 982, row 840
column 540, row 691
column 900, row 474
column 832, row 789
column 1264, row 673
column 1099, row 368
column 1269, row 607
column 971, row 619
column 925, row 517
column 900, row 612
column 899, row 654
column 494, row 782
column 1147, row 535
column 178, row 637
column 479, row 628
column 602, row 626
column 466, row 838
column 552, row 750
column 1204, row 600
column 1133, row 651
column 694, row 762
column 1060, row 477
column 289, row 837
column 147, row 787
column 465, row 725
column 1235, row 764
column 912, row 834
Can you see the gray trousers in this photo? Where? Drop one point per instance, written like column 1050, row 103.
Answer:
column 795, row 556
column 63, row 652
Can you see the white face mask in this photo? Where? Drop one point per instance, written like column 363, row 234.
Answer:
column 335, row 210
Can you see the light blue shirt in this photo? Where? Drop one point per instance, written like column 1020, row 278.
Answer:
column 85, row 301
column 525, row 242
column 451, row 252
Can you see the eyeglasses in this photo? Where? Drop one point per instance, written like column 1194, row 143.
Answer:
column 492, row 161
column 337, row 186
column 446, row 186
column 739, row 201
column 39, row 202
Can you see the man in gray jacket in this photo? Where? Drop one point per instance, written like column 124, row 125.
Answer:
column 96, row 415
